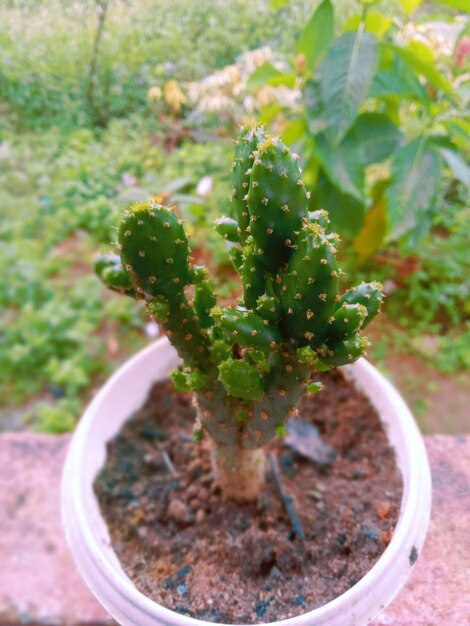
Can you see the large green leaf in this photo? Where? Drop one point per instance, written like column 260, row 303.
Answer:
column 294, row 131
column 314, row 108
column 460, row 5
column 395, row 79
column 345, row 78
column 317, row 36
column 269, row 112
column 375, row 23
column 459, row 129
column 411, row 193
column 409, row 5
column 374, row 228
column 459, row 167
column 263, row 74
column 373, row 138
column 345, row 211
column 416, row 55
column 288, row 79
column 341, row 165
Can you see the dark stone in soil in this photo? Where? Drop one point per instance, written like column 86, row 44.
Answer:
column 260, row 608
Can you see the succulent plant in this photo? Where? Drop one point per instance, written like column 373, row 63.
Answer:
column 248, row 365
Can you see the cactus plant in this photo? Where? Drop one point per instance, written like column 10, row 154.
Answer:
column 248, row 365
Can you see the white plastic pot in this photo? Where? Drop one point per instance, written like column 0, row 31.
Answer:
column 88, row 536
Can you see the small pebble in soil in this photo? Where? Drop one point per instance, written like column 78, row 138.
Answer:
column 152, row 432
column 299, row 600
column 178, row 511
column 286, row 460
column 184, row 610
column 212, row 616
column 383, row 510
column 181, row 573
column 175, row 581
column 182, row 589
column 307, row 441
column 57, row 392
column 386, row 536
column 372, row 533
column 169, row 583
column 260, row 608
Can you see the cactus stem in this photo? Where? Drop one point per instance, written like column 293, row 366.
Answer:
column 239, row 472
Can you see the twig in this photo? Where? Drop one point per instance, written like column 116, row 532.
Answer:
column 169, row 465
column 102, row 6
column 288, row 501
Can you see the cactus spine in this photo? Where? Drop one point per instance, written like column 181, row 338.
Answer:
column 248, row 365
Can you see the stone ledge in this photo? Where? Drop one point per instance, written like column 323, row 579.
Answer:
column 438, row 590
column 39, row 584
column 38, row 580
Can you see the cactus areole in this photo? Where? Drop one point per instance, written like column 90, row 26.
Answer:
column 247, row 365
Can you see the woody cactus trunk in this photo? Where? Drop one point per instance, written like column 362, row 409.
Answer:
column 247, row 365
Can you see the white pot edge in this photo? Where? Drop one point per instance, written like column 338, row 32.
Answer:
column 87, row 535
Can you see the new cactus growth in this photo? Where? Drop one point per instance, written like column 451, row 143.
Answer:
column 247, row 365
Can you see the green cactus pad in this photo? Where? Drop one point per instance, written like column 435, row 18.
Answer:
column 228, row 229
column 109, row 269
column 159, row 308
column 188, row 380
column 307, row 356
column 236, row 256
column 347, row 320
column 220, row 349
column 344, row 351
column 245, row 327
column 251, row 134
column 154, row 250
column 240, row 379
column 369, row 295
column 310, row 287
column 269, row 307
column 253, row 276
column 259, row 360
column 320, row 217
column 314, row 387
column 204, row 299
column 277, row 202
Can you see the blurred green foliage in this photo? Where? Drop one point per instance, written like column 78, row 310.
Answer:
column 383, row 113
column 430, row 304
column 46, row 47
column 65, row 173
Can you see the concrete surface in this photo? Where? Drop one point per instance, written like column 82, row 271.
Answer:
column 40, row 585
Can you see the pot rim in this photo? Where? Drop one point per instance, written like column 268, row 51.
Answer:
column 415, row 505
